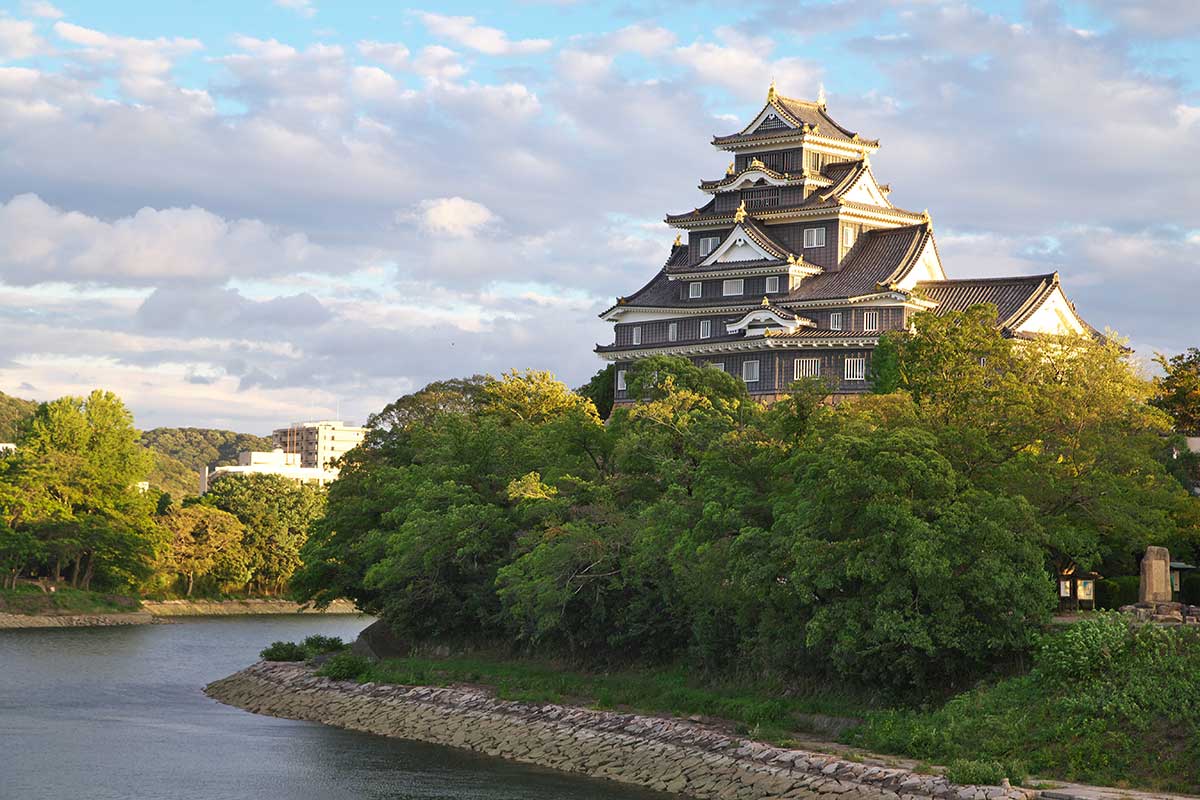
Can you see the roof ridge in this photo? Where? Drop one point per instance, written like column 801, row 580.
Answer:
column 997, row 279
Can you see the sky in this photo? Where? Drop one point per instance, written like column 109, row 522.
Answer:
column 242, row 214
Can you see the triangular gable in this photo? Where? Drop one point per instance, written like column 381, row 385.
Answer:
column 1052, row 314
column 865, row 189
column 925, row 266
column 770, row 118
column 740, row 245
column 767, row 318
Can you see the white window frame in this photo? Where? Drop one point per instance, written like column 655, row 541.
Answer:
column 772, row 284
column 728, row 284
column 870, row 320
column 705, row 328
column 745, row 369
column 672, row 331
column 707, row 244
column 856, row 368
column 635, row 334
column 848, row 236
column 718, row 364
column 695, row 290
column 808, row 368
column 620, row 380
column 835, row 321
column 814, row 237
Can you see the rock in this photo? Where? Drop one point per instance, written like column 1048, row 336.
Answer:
column 377, row 642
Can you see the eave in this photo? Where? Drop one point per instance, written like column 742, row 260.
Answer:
column 780, row 341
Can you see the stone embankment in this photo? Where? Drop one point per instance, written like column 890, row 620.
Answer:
column 225, row 608
column 14, row 621
column 667, row 755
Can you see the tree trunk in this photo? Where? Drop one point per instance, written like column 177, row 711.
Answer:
column 57, row 569
column 191, row 578
column 87, row 575
column 75, row 571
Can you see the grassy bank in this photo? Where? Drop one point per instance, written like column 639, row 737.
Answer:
column 33, row 601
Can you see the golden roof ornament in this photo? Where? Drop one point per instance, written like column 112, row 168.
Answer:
column 765, row 301
column 925, row 216
column 791, row 259
column 821, row 96
column 757, row 164
column 678, row 239
column 771, row 92
column 729, row 169
column 740, row 214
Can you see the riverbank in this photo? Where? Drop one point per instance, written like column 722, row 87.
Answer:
column 24, row 621
column 681, row 757
column 225, row 608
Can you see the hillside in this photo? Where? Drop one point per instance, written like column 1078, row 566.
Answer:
column 14, row 413
column 173, row 476
column 197, row 448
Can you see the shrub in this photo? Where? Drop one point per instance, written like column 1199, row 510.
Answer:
column 344, row 666
column 284, row 651
column 1112, row 593
column 990, row 773
column 316, row 645
column 1089, row 647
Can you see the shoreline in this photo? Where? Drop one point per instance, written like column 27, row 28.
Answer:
column 676, row 756
column 161, row 612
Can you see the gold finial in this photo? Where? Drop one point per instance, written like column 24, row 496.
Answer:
column 620, row 301
column 791, row 259
column 678, row 239
column 757, row 164
column 771, row 92
column 925, row 216
column 729, row 169
column 765, row 301
column 821, row 96
column 740, row 214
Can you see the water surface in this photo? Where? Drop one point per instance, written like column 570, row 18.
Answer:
column 118, row 714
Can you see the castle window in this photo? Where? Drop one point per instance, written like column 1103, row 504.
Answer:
column 871, row 321
column 672, row 331
column 718, row 364
column 695, row 289
column 733, row 286
column 814, row 237
column 635, row 334
column 835, row 321
column 705, row 328
column 808, row 368
column 620, row 380
column 708, row 244
column 750, row 371
column 856, row 369
column 848, row 236
column 772, row 284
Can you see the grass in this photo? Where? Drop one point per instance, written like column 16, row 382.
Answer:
column 768, row 711
column 33, row 601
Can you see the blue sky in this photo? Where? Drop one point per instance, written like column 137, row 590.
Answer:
column 238, row 214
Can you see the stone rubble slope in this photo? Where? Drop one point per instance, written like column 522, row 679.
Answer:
column 668, row 755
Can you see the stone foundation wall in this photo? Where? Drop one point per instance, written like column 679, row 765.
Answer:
column 667, row 755
column 225, row 608
column 13, row 621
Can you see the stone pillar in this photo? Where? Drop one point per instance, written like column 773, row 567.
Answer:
column 1155, row 586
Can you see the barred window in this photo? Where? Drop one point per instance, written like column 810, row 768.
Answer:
column 705, row 328
column 733, row 286
column 808, row 368
column 871, row 321
column 708, row 244
column 814, row 237
column 718, row 364
column 695, row 289
column 856, row 369
column 635, row 334
column 672, row 331
column 750, row 371
column 620, row 380
column 835, row 321
column 848, row 236
column 772, row 284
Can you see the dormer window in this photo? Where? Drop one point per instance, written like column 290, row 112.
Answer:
column 772, row 284
column 708, row 244
column 695, row 290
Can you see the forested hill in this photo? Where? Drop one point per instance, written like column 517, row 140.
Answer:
column 14, row 413
column 197, row 448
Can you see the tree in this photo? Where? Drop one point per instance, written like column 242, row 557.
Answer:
column 1177, row 390
column 197, row 448
column 204, row 541
column 601, row 390
column 277, row 514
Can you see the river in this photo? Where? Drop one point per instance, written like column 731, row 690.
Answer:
column 118, row 714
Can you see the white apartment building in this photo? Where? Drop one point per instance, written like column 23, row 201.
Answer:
column 276, row 462
column 318, row 443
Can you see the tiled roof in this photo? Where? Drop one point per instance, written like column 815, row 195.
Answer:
column 1014, row 298
column 679, row 256
column 878, row 257
column 817, row 333
column 799, row 113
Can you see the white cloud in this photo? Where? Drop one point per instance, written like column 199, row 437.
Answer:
column 43, row 9
column 455, row 216
column 438, row 64
column 18, row 39
column 390, row 54
column 739, row 63
column 304, row 8
column 491, row 41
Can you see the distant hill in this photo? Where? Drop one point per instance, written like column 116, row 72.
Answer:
column 15, row 413
column 173, row 476
column 196, row 448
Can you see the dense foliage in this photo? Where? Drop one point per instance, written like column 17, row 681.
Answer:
column 906, row 540
column 1105, row 701
column 197, row 448
column 15, row 416
column 1177, row 390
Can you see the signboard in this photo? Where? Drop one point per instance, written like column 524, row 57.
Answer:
column 1087, row 590
column 1064, row 588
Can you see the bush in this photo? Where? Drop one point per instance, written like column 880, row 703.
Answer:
column 284, row 651
column 345, row 666
column 316, row 645
column 989, row 773
column 1112, row 593
column 1089, row 647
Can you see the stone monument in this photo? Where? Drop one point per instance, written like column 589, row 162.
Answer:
column 1155, row 586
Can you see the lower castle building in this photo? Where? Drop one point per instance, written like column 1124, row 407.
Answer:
column 799, row 263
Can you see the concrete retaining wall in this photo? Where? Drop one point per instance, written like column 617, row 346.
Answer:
column 13, row 621
column 225, row 608
column 663, row 754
